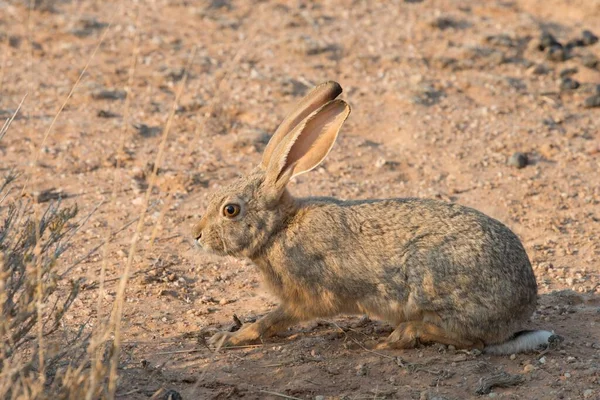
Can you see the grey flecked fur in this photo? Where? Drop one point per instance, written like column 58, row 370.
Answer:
column 438, row 271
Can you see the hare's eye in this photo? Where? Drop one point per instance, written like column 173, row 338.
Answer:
column 231, row 210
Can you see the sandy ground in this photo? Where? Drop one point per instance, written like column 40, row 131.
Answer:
column 443, row 93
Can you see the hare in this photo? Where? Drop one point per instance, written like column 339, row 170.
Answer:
column 439, row 272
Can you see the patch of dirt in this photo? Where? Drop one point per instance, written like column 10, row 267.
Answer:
column 443, row 94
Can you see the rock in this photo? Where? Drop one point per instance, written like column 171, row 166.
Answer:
column 528, row 368
column 513, row 356
column 568, row 72
column 568, row 84
column 588, row 38
column 501, row 40
column 147, row 131
column 539, row 69
column 293, row 87
column 107, row 114
column 518, row 160
column 319, row 397
column 547, row 41
column 592, row 101
column 427, row 95
column 361, row 370
column 445, row 22
column 588, row 393
column 556, row 53
column 171, row 395
column 542, row 360
column 590, row 61
column 574, row 43
column 109, row 94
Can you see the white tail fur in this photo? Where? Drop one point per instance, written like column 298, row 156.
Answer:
column 521, row 342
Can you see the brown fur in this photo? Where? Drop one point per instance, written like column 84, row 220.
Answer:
column 440, row 272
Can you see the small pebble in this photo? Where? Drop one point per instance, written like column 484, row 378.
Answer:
column 588, row 393
column 556, row 53
column 513, row 356
column 590, row 61
column 451, row 348
column 547, row 41
column 568, row 72
column 588, row 38
column 528, row 368
column 361, row 370
column 171, row 395
column 518, row 160
column 592, row 101
column 542, row 360
column 539, row 69
column 574, row 43
column 567, row 375
column 319, row 397
column 568, row 84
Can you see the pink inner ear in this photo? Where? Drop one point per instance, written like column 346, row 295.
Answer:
column 317, row 138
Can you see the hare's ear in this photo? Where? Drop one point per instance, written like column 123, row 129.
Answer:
column 320, row 95
column 307, row 145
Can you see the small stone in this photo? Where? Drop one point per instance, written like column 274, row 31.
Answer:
column 518, row 160
column 571, row 359
column 171, row 395
column 542, row 360
column 568, row 72
column 361, row 370
column 493, row 394
column 106, row 114
column 319, row 397
column 513, row 356
column 556, row 53
column 539, row 69
column 592, row 101
column 567, row 375
column 451, row 348
column 590, row 61
column 588, row 38
column 587, row 393
column 574, row 43
column 547, row 41
column 569, row 84
column 108, row 94
column 528, row 368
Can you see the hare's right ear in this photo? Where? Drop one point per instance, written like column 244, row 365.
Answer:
column 305, row 147
column 316, row 98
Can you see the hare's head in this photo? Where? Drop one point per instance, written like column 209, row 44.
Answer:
column 242, row 216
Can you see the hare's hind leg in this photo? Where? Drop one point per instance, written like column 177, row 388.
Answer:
column 407, row 334
column 275, row 321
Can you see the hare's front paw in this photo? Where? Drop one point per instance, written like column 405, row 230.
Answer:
column 221, row 339
column 229, row 339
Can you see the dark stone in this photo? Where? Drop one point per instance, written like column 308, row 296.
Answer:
column 518, row 160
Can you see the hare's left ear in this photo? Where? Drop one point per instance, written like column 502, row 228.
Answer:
column 307, row 145
column 315, row 99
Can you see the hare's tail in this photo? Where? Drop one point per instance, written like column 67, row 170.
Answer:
column 523, row 341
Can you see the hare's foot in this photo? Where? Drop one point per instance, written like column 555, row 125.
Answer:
column 275, row 321
column 408, row 334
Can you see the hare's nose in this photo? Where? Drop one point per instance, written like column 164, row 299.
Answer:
column 197, row 231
